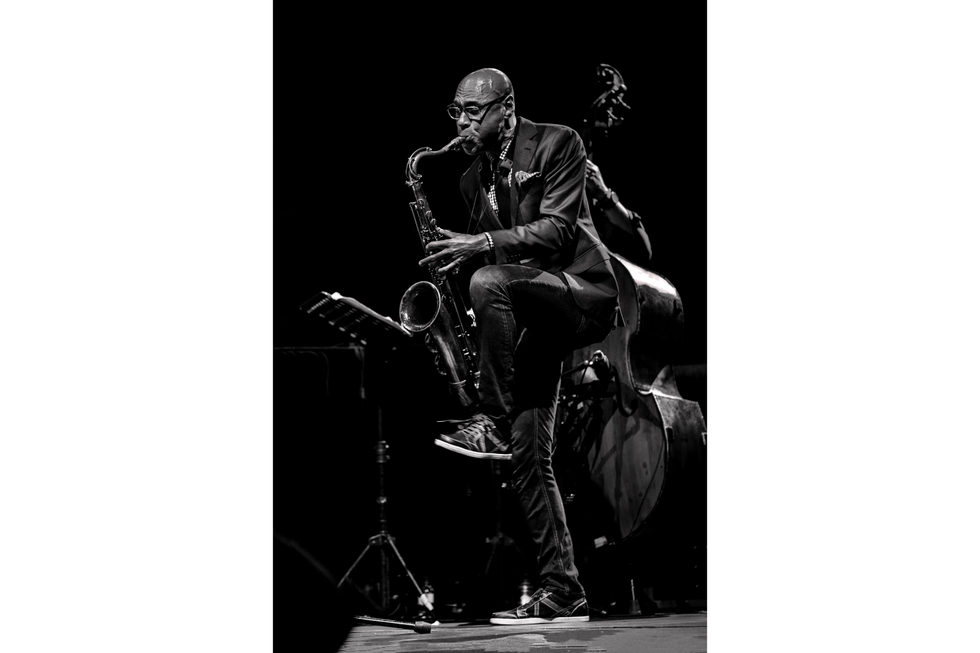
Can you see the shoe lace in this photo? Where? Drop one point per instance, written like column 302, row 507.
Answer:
column 478, row 428
column 539, row 594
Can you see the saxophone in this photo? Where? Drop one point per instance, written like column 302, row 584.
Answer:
column 437, row 307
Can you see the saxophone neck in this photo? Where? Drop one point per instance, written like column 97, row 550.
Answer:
column 411, row 171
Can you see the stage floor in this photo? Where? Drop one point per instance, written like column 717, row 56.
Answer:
column 669, row 633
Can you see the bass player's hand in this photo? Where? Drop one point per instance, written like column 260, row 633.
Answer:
column 593, row 180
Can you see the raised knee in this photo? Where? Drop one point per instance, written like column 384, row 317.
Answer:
column 484, row 281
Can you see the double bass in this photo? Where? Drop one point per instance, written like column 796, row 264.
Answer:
column 631, row 451
column 641, row 351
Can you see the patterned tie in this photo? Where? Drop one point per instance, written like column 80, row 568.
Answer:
column 496, row 167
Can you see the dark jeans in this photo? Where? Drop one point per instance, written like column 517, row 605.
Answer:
column 527, row 323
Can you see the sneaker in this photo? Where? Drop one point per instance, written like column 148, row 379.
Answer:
column 476, row 437
column 545, row 607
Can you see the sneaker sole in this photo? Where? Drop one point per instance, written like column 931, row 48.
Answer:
column 530, row 621
column 472, row 454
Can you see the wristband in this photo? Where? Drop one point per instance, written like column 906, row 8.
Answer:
column 489, row 242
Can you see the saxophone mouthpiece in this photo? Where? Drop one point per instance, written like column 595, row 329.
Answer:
column 454, row 144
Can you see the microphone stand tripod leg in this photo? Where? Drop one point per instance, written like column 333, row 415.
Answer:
column 359, row 589
column 422, row 596
column 366, row 549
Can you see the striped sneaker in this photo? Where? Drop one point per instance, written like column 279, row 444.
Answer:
column 476, row 437
column 545, row 607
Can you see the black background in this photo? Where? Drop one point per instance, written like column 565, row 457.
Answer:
column 351, row 103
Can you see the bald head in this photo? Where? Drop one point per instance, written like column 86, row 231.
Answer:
column 486, row 83
column 484, row 111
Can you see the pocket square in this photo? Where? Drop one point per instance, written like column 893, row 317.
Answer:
column 523, row 176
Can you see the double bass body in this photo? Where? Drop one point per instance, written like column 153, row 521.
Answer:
column 639, row 445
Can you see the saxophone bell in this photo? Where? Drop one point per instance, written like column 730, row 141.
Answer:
column 422, row 310
column 420, row 306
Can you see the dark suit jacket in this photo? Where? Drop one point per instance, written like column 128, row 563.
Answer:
column 552, row 229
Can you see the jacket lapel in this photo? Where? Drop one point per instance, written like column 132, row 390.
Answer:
column 481, row 210
column 524, row 148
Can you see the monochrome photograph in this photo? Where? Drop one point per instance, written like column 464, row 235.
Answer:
column 490, row 320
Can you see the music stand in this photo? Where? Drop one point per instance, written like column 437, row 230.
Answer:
column 351, row 319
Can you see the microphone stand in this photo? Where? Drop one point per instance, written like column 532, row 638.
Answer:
column 384, row 539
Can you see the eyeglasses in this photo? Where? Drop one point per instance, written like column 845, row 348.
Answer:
column 473, row 112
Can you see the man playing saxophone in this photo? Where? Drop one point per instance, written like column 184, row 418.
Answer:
column 546, row 289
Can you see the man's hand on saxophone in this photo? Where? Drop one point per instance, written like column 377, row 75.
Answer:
column 454, row 250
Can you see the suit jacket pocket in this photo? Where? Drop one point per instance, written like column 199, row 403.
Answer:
column 531, row 191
